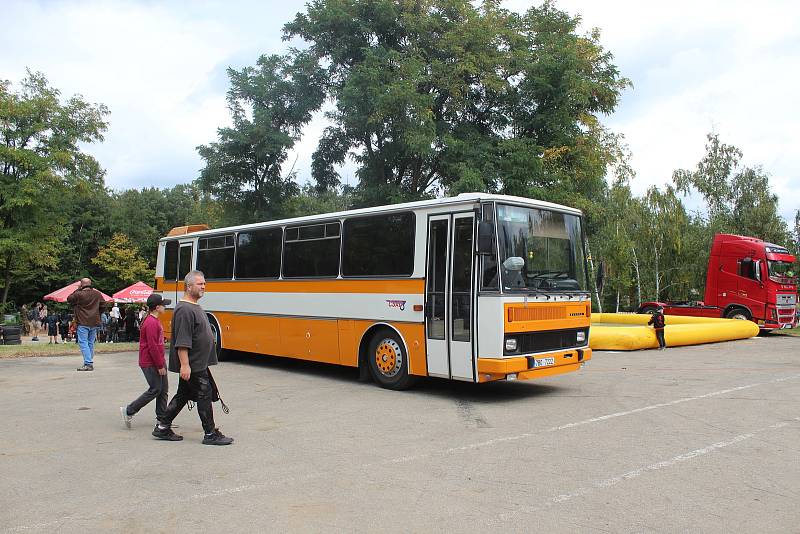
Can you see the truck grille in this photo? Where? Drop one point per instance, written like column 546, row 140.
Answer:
column 786, row 299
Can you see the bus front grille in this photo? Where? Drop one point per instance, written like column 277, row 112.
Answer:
column 536, row 313
column 534, row 342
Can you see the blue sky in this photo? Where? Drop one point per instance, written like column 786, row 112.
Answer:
column 729, row 67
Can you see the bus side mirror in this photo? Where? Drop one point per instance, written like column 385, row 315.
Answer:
column 485, row 238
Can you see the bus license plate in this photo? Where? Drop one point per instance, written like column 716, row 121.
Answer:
column 544, row 362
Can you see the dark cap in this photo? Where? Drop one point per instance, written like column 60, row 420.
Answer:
column 155, row 299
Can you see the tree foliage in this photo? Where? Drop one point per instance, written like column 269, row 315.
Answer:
column 121, row 264
column 40, row 160
column 269, row 105
column 446, row 96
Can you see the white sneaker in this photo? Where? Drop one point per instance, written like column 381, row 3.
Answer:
column 126, row 419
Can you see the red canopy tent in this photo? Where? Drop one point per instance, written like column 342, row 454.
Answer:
column 138, row 292
column 62, row 294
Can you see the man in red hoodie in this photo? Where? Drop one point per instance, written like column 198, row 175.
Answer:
column 151, row 360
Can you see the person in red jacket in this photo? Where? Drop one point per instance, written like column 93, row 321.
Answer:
column 151, row 360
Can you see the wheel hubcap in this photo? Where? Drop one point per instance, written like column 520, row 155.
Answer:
column 388, row 357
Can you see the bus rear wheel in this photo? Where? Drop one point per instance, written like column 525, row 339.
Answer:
column 388, row 361
column 215, row 332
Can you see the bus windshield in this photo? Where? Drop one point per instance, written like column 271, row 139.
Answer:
column 540, row 250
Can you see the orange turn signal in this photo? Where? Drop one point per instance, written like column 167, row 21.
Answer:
column 418, row 307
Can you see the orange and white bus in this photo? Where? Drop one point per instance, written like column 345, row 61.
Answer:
column 475, row 287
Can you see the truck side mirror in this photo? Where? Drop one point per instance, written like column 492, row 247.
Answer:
column 485, row 238
column 757, row 270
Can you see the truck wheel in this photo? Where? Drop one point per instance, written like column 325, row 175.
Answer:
column 647, row 309
column 738, row 313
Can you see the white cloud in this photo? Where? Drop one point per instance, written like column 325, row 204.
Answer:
column 727, row 66
column 697, row 67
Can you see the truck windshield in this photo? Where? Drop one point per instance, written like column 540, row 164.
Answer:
column 540, row 250
column 780, row 269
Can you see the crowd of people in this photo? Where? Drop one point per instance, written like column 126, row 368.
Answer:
column 59, row 323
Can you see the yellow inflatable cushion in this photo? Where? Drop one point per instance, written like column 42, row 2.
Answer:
column 628, row 331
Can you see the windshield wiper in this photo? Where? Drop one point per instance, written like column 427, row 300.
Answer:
column 543, row 274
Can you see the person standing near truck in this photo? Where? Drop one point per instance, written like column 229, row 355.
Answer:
column 658, row 322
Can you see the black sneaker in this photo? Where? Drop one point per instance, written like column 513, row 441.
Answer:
column 166, row 434
column 216, row 438
column 86, row 367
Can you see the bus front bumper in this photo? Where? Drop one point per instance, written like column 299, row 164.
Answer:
column 526, row 367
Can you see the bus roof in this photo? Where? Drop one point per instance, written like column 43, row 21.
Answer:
column 421, row 204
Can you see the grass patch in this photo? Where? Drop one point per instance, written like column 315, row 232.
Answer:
column 32, row 349
column 790, row 331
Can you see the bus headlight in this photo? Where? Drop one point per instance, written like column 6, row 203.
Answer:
column 580, row 337
column 511, row 344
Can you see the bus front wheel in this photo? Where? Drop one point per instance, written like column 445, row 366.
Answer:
column 388, row 360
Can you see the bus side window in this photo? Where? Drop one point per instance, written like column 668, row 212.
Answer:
column 215, row 257
column 379, row 245
column 171, row 260
column 258, row 253
column 490, row 281
column 312, row 251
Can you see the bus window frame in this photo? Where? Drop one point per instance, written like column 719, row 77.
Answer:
column 250, row 231
column 165, row 262
column 197, row 255
column 321, row 222
column 381, row 276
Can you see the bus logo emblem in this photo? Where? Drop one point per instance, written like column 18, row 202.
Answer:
column 397, row 304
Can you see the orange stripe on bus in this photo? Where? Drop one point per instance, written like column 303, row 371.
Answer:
column 405, row 286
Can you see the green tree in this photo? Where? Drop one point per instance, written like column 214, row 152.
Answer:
column 269, row 105
column 737, row 199
column 146, row 215
column 120, row 263
column 443, row 95
column 663, row 228
column 40, row 160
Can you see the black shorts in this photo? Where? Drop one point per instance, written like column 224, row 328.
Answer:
column 52, row 330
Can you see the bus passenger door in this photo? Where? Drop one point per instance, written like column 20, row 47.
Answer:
column 436, row 284
column 448, row 296
column 461, row 292
column 184, row 266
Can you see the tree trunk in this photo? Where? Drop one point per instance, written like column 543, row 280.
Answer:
column 7, row 279
column 592, row 281
column 638, row 279
column 617, row 310
column 657, row 273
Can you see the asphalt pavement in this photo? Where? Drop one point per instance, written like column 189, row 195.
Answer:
column 692, row 439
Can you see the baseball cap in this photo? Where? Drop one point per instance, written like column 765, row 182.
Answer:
column 156, row 299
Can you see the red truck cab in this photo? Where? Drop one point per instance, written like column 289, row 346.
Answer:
column 747, row 278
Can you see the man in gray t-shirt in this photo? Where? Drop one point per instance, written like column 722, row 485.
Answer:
column 191, row 329
column 192, row 350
